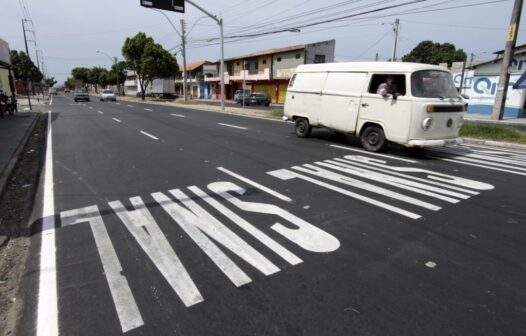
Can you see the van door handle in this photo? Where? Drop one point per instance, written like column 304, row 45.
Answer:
column 365, row 105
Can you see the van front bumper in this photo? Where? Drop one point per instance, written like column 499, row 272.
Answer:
column 434, row 143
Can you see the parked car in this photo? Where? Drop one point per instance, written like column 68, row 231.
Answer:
column 258, row 98
column 67, row 90
column 238, row 95
column 81, row 94
column 107, row 95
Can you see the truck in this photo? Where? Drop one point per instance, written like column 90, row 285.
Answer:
column 162, row 88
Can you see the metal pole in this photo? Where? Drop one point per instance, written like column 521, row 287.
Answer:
column 183, row 38
column 507, row 58
column 117, row 76
column 222, row 67
column 243, row 88
column 27, row 53
column 395, row 29
column 462, row 77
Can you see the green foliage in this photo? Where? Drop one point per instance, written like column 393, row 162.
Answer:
column 81, row 74
column 149, row 59
column 430, row 52
column 24, row 68
column 493, row 132
column 119, row 70
column 72, row 83
column 50, row 81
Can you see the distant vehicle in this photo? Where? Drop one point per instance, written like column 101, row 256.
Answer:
column 67, row 90
column 258, row 98
column 106, row 95
column 162, row 88
column 53, row 91
column 81, row 94
column 238, row 95
column 415, row 105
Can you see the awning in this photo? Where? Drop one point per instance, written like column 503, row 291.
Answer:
column 520, row 83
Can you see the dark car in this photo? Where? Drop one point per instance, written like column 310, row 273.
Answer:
column 81, row 94
column 258, row 98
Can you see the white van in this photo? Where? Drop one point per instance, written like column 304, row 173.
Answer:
column 419, row 107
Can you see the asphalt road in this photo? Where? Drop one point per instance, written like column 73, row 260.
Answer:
column 271, row 107
column 187, row 222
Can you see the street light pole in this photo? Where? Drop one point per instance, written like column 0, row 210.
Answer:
column 183, row 46
column 27, row 53
column 395, row 30
column 114, row 60
column 222, row 65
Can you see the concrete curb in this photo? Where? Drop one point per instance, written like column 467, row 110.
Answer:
column 6, row 174
column 494, row 143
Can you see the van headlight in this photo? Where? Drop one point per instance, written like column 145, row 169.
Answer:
column 427, row 123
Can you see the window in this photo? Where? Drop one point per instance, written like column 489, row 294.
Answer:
column 398, row 83
column 319, row 59
column 298, row 56
column 237, row 63
column 433, row 84
column 264, row 61
column 279, row 59
column 291, row 83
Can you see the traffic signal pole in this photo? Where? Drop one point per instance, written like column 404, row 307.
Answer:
column 507, row 59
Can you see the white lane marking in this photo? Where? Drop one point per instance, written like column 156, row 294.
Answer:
column 149, row 135
column 477, row 165
column 177, row 115
column 125, row 304
column 117, row 120
column 335, row 177
column 130, row 106
column 431, row 264
column 91, row 108
column 255, row 184
column 285, row 174
column 100, row 112
column 147, row 109
column 51, row 101
column 117, row 103
column 256, row 233
column 233, row 126
column 47, row 319
column 141, row 224
column 375, row 154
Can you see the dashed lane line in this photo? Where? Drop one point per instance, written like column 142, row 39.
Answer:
column 149, row 135
column 177, row 115
column 100, row 112
column 233, row 126
column 117, row 120
column 131, row 106
column 147, row 109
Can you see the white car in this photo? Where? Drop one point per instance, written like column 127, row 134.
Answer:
column 108, row 95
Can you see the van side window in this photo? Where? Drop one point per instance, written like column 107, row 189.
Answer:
column 291, row 83
column 397, row 83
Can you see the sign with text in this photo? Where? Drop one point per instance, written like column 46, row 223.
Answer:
column 169, row 5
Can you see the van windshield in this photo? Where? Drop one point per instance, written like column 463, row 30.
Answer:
column 433, row 84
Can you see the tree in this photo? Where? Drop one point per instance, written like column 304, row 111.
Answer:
column 434, row 53
column 117, row 74
column 81, row 74
column 148, row 59
column 71, row 83
column 24, row 68
column 50, row 81
column 94, row 76
column 104, row 78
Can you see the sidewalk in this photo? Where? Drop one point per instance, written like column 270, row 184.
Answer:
column 476, row 118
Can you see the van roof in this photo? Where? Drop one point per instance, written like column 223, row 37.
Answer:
column 369, row 67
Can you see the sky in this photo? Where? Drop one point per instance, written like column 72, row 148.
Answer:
column 70, row 32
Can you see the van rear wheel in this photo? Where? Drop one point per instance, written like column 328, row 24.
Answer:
column 373, row 138
column 302, row 128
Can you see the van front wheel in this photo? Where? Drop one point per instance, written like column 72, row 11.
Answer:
column 373, row 139
column 302, row 128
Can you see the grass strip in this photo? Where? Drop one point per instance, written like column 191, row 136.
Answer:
column 493, row 133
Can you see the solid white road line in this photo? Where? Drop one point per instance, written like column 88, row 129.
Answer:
column 149, row 135
column 100, row 112
column 117, row 120
column 376, row 154
column 177, row 115
column 47, row 319
column 130, row 106
column 147, row 109
column 51, row 101
column 233, row 126
column 255, row 184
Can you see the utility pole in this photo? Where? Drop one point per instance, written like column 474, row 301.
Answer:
column 183, row 43
column 396, row 26
column 27, row 53
column 507, row 58
column 376, row 57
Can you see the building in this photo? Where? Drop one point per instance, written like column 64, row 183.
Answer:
column 6, row 70
column 195, row 80
column 265, row 71
column 482, row 79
